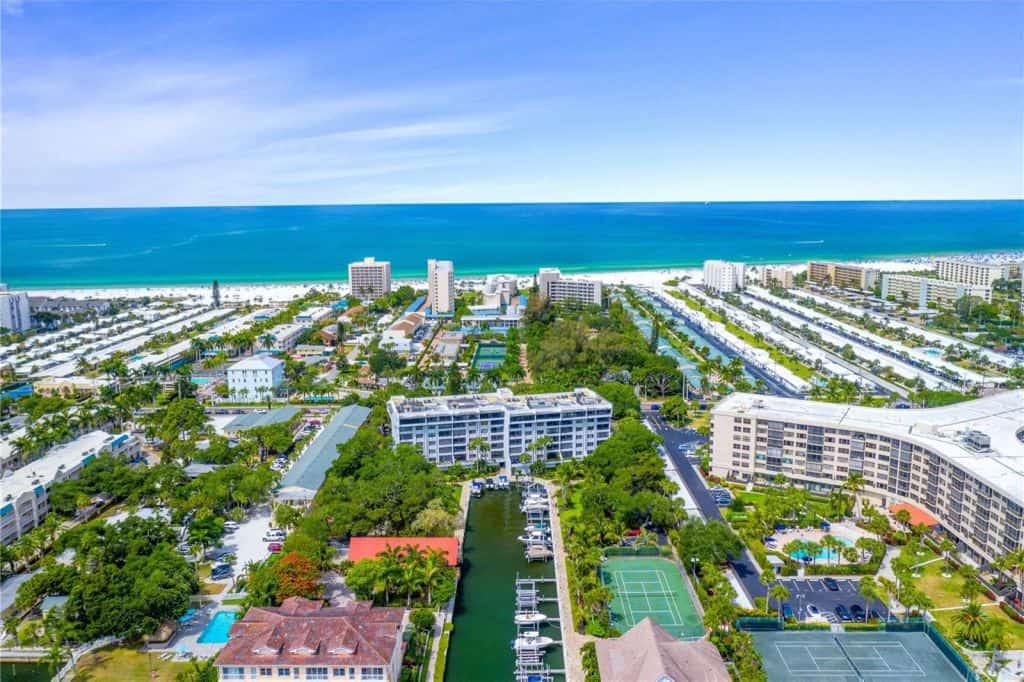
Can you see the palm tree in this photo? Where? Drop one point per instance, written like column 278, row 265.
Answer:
column 970, row 589
column 478, row 446
column 947, row 547
column 779, row 593
column 868, row 589
column 433, row 571
column 996, row 640
column 854, row 484
column 970, row 622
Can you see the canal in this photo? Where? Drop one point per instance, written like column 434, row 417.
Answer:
column 481, row 644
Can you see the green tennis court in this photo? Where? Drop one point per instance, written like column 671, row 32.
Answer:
column 650, row 587
column 489, row 355
column 853, row 657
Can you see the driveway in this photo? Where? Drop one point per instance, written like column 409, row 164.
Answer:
column 246, row 543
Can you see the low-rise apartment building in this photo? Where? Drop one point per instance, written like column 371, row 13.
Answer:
column 724, row 277
column 369, row 279
column 558, row 289
column 842, row 275
column 967, row 272
column 284, row 337
column 303, row 640
column 314, row 314
column 24, row 492
column 776, row 277
column 962, row 463
column 255, row 378
column 443, row 427
column 924, row 292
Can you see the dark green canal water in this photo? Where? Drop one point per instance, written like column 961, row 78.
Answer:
column 480, row 649
column 25, row 672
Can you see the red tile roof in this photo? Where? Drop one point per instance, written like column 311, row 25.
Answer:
column 304, row 632
column 371, row 547
column 917, row 515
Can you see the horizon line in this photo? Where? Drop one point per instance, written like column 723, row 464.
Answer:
column 515, row 203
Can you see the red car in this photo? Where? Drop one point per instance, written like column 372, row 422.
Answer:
column 274, row 547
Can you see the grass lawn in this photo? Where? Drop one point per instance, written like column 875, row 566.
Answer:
column 116, row 664
column 1014, row 630
column 942, row 591
column 574, row 508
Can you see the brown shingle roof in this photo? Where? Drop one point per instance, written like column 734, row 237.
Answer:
column 647, row 653
column 303, row 632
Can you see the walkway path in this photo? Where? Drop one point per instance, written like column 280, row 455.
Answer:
column 572, row 641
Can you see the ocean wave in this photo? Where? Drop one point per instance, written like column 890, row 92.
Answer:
column 810, row 241
column 96, row 245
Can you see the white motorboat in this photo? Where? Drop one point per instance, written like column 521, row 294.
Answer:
column 530, row 618
column 535, row 537
column 531, row 641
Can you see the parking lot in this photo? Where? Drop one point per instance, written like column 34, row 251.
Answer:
column 806, row 591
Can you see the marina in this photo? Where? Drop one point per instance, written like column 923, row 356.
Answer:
column 506, row 610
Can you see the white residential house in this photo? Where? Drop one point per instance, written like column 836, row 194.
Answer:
column 255, row 377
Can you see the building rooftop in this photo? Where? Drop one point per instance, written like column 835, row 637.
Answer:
column 255, row 419
column 302, row 632
column 371, row 547
column 581, row 397
column 647, row 652
column 307, row 474
column 42, row 471
column 262, row 361
column 952, row 430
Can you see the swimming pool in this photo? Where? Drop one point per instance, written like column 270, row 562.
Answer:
column 216, row 631
column 932, row 351
column 201, row 381
column 823, row 554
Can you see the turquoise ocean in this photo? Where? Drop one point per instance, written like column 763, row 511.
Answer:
column 161, row 246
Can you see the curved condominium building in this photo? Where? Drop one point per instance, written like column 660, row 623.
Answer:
column 962, row 463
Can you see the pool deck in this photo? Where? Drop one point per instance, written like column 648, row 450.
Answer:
column 843, row 530
column 188, row 634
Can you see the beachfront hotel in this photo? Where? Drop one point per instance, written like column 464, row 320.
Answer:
column 25, row 491
column 369, row 279
column 558, row 289
column 967, row 272
column 781, row 277
column 441, row 287
column 962, row 464
column 724, row 277
column 14, row 310
column 842, row 275
column 443, row 426
column 923, row 292
column 304, row 640
column 255, row 377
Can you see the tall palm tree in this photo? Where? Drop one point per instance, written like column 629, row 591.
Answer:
column 970, row 622
column 869, row 590
column 780, row 594
column 854, row 483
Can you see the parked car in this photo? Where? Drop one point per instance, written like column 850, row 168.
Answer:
column 813, row 610
column 787, row 611
column 857, row 611
column 220, row 571
column 274, row 547
column 274, row 536
column 230, row 526
column 843, row 613
column 831, row 584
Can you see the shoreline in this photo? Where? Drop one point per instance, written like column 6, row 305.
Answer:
column 283, row 290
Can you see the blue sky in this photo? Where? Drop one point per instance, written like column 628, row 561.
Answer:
column 207, row 103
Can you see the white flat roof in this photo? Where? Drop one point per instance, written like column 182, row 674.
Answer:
column 257, row 362
column 43, row 470
column 999, row 416
column 581, row 397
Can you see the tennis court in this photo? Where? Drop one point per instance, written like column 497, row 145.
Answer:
column 650, row 587
column 489, row 355
column 853, row 656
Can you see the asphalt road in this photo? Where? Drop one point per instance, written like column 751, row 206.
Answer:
column 745, row 569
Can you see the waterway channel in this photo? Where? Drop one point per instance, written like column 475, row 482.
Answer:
column 481, row 642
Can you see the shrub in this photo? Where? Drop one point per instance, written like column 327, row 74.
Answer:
column 590, row 669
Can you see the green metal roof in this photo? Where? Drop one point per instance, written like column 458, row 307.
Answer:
column 309, row 470
column 254, row 419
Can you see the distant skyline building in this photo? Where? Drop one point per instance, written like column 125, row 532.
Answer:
column 14, row 310
column 558, row 289
column 842, row 275
column 922, row 291
column 441, row 286
column 724, row 276
column 369, row 279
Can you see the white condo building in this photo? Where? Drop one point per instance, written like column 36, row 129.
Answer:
column 963, row 463
column 443, row 426
column 285, row 337
column 922, row 291
column 14, row 310
column 255, row 377
column 558, row 289
column 25, row 491
column 369, row 278
column 723, row 276
column 966, row 272
column 499, row 290
column 441, row 287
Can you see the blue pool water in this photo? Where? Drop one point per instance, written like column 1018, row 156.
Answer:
column 216, row 631
column 823, row 554
column 201, row 380
column 932, row 351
